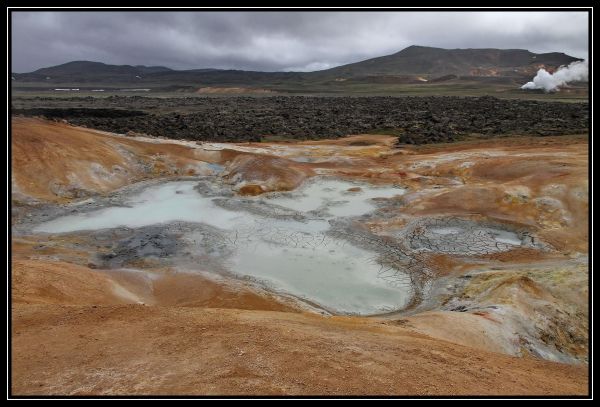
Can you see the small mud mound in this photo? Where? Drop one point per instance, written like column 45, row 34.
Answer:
column 255, row 174
column 250, row 189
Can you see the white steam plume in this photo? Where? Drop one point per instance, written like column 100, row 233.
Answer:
column 576, row 71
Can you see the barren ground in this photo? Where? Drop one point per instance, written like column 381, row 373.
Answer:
column 489, row 318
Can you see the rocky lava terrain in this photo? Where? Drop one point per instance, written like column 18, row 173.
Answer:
column 416, row 120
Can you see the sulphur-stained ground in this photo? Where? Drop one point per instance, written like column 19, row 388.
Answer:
column 133, row 349
column 493, row 236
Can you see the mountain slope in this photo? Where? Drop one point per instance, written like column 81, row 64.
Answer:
column 86, row 71
column 411, row 65
column 417, row 60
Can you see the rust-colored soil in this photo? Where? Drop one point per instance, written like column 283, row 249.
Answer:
column 179, row 350
column 42, row 282
column 57, row 162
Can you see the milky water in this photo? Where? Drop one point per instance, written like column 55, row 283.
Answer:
column 291, row 256
column 170, row 202
column 447, row 230
column 335, row 198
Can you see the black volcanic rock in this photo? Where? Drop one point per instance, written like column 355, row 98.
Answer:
column 416, row 120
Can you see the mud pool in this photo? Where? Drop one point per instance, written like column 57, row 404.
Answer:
column 466, row 237
column 279, row 240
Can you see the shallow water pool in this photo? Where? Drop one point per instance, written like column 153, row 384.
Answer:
column 294, row 256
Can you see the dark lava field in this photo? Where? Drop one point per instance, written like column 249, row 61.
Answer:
column 415, row 120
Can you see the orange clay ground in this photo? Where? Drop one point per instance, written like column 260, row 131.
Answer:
column 81, row 330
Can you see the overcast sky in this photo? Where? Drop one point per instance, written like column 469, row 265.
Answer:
column 272, row 41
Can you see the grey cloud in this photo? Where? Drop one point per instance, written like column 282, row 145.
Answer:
column 273, row 41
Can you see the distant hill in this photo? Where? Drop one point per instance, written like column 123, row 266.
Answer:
column 415, row 64
column 437, row 62
column 87, row 71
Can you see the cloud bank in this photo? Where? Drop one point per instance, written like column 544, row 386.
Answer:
column 274, row 41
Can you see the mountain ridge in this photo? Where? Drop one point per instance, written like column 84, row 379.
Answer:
column 414, row 63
